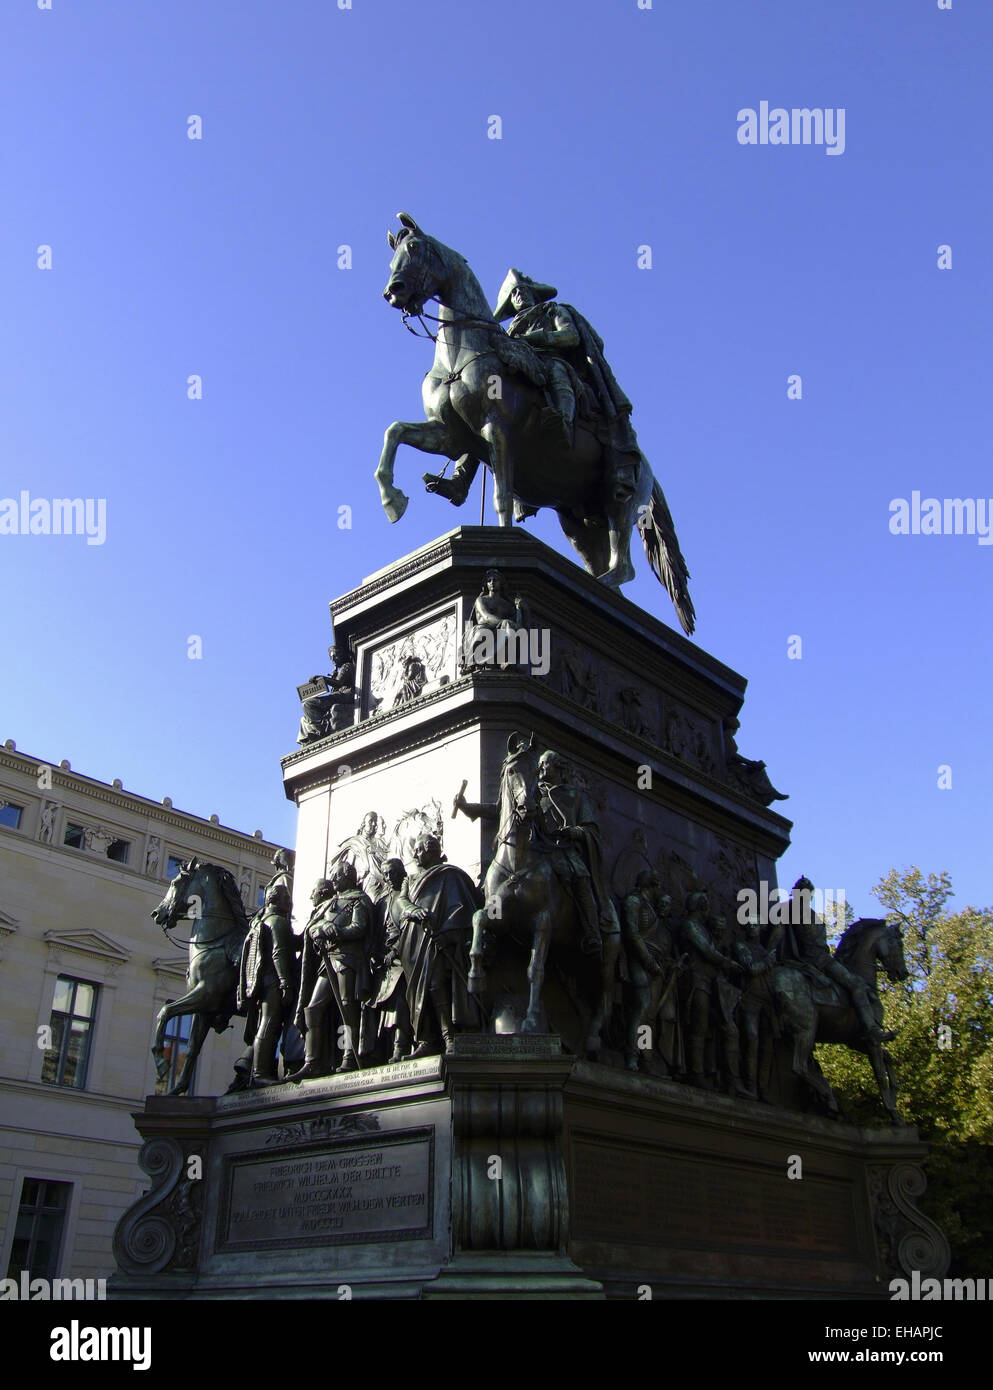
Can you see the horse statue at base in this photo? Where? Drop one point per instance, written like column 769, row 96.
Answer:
column 814, row 1009
column 528, row 897
column 593, row 474
column 206, row 896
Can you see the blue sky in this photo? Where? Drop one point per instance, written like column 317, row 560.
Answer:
column 218, row 257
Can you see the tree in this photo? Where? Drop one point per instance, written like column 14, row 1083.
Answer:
column 943, row 1017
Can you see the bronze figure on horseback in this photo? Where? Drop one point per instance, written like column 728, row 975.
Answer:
column 538, row 405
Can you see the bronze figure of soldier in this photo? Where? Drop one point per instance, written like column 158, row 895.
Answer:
column 334, row 966
column 389, row 992
column 652, row 972
column 267, row 981
column 707, row 967
column 758, row 1020
column 804, row 939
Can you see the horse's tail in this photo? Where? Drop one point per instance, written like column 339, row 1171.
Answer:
column 658, row 536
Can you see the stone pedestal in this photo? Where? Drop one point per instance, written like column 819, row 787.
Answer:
column 637, row 710
column 512, row 1166
column 510, row 1170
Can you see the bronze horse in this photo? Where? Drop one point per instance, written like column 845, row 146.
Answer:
column 816, row 1010
column 467, row 418
column 206, row 898
column 526, row 899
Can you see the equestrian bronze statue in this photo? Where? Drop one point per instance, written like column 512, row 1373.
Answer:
column 539, row 405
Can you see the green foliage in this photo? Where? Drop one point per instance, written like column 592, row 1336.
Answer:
column 943, row 1017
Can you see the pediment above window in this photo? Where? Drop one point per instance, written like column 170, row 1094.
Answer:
column 87, row 943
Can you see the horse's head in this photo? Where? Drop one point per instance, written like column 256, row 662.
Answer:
column 889, row 949
column 418, row 269
column 180, row 898
column 873, row 941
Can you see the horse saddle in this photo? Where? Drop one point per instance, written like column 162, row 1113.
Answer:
column 823, row 990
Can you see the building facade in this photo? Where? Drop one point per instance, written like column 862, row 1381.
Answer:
column 83, row 973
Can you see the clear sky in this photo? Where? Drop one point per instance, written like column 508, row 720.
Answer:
column 218, row 257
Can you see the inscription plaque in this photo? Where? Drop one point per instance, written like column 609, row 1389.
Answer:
column 374, row 1189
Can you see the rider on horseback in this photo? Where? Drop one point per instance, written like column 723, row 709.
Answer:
column 566, row 821
column 572, row 370
column 806, row 940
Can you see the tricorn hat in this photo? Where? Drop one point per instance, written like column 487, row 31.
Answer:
column 514, row 278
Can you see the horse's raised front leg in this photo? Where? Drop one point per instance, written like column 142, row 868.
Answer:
column 430, row 436
column 194, row 1000
column 498, row 441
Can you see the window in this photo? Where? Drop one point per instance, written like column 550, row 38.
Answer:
column 118, row 849
column 73, row 1011
column 173, row 865
column 260, row 897
column 75, row 836
column 176, row 1046
column 10, row 815
column 41, row 1219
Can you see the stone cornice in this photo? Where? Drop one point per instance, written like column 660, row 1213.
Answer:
column 134, row 804
column 132, row 874
column 525, row 701
column 95, row 1099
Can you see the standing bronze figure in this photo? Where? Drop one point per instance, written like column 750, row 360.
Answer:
column 334, row 968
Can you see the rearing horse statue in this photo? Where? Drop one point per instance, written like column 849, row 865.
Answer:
column 467, row 418
column 205, row 897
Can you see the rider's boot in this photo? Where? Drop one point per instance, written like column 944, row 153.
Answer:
column 441, row 998
column 455, row 488
column 591, row 941
column 558, row 419
column 863, row 1008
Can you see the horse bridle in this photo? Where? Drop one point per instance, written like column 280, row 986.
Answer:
column 201, row 945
